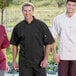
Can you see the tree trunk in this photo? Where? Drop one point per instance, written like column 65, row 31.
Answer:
column 2, row 15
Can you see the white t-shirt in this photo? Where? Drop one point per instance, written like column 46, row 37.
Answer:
column 65, row 28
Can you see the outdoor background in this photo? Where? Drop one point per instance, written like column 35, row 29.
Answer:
column 45, row 10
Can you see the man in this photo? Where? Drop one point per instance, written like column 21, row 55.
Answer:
column 31, row 34
column 64, row 27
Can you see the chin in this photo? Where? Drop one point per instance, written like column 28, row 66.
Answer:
column 70, row 11
column 27, row 17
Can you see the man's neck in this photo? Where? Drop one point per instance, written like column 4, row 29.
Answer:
column 29, row 20
column 69, row 14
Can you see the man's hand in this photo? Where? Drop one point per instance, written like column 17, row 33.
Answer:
column 44, row 63
column 56, row 58
column 15, row 67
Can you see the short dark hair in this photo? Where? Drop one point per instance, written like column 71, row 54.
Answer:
column 70, row 0
column 28, row 4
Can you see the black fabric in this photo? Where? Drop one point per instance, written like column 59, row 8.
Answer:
column 31, row 38
column 31, row 71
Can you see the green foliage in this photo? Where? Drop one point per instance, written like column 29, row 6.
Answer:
column 9, row 50
column 2, row 4
column 18, row 2
column 9, row 2
column 9, row 55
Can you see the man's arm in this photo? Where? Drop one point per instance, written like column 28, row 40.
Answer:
column 45, row 60
column 4, row 52
column 15, row 50
column 55, row 55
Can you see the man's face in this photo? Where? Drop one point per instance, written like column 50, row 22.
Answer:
column 28, row 12
column 71, row 6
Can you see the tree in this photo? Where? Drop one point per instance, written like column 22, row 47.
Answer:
column 2, row 5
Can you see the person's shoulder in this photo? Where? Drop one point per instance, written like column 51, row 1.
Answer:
column 2, row 27
column 60, row 16
column 40, row 22
column 18, row 25
column 75, row 14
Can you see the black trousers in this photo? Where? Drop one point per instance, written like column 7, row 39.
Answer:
column 67, row 68
column 31, row 71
